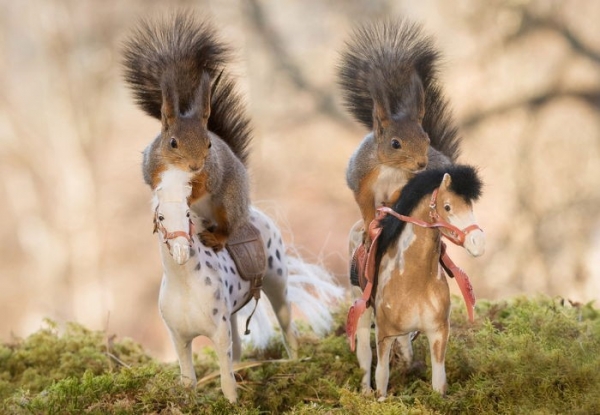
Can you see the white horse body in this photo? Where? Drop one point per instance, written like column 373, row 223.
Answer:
column 201, row 289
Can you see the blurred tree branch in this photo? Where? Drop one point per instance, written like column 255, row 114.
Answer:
column 283, row 61
column 589, row 97
column 531, row 22
column 548, row 248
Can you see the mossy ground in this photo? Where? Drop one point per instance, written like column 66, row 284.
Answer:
column 520, row 356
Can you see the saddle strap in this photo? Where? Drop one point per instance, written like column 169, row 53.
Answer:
column 255, row 288
column 367, row 277
column 462, row 279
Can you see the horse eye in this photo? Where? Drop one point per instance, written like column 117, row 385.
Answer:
column 396, row 144
column 161, row 218
column 173, row 142
column 447, row 208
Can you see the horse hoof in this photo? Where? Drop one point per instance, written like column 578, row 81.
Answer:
column 188, row 383
column 366, row 391
column 231, row 397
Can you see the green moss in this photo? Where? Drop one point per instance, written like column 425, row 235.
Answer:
column 520, row 356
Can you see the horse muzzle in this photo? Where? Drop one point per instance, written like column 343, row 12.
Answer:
column 180, row 249
column 475, row 242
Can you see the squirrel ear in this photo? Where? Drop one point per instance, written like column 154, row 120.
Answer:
column 170, row 102
column 202, row 101
column 381, row 115
column 412, row 103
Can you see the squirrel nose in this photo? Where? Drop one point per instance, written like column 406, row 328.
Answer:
column 194, row 167
column 421, row 165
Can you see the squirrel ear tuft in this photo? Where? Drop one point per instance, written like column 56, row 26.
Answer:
column 170, row 101
column 201, row 105
column 381, row 112
column 413, row 101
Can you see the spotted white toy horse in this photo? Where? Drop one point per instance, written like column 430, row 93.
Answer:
column 201, row 289
column 410, row 288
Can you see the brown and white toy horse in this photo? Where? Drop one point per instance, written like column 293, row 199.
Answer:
column 411, row 289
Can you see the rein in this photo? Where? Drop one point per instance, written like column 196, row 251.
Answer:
column 166, row 235
column 454, row 234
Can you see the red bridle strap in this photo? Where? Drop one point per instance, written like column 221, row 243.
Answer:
column 450, row 231
column 166, row 235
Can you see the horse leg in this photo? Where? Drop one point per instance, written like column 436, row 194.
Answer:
column 235, row 338
column 364, row 354
column 405, row 343
column 183, row 348
column 382, row 371
column 438, row 340
column 222, row 339
column 275, row 290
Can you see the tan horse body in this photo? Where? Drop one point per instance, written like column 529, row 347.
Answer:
column 412, row 291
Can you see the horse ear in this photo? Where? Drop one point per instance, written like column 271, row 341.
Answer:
column 170, row 102
column 446, row 181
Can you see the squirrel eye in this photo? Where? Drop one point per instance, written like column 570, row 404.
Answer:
column 396, row 143
column 447, row 208
column 173, row 142
column 161, row 218
column 209, row 143
column 187, row 214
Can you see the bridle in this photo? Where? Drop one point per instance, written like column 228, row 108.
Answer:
column 454, row 234
column 166, row 235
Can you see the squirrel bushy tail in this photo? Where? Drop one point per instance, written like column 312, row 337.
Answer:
column 182, row 48
column 396, row 63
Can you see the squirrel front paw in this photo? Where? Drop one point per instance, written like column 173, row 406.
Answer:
column 212, row 240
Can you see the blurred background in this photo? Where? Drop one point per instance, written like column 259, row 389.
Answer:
column 76, row 239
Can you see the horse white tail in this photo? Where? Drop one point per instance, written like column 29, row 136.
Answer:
column 313, row 294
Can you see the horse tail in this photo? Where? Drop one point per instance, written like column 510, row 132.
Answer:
column 312, row 294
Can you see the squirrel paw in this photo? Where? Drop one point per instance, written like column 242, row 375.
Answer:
column 211, row 240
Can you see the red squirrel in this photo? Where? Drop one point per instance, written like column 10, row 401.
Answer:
column 175, row 67
column 387, row 75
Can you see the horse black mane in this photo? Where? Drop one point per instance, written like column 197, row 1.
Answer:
column 465, row 183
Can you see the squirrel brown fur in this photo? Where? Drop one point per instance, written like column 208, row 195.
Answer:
column 388, row 80
column 176, row 69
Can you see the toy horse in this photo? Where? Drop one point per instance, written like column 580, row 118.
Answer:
column 202, row 289
column 410, row 292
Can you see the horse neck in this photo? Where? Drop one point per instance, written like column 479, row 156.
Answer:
column 428, row 239
column 419, row 252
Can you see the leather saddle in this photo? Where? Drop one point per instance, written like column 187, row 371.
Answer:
column 246, row 247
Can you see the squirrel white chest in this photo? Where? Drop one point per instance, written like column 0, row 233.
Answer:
column 389, row 181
